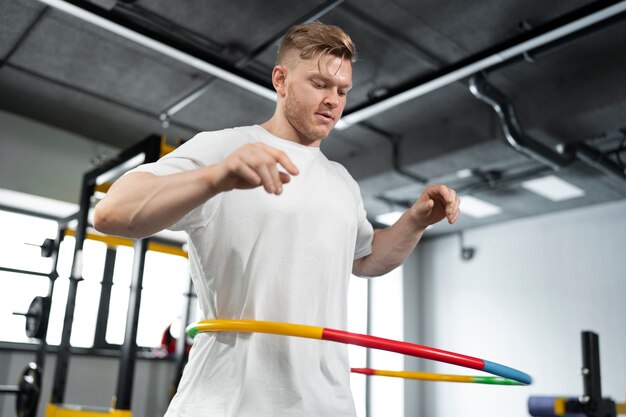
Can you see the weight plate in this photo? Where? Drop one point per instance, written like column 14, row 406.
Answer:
column 37, row 317
column 30, row 389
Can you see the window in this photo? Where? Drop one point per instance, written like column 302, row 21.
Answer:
column 387, row 394
column 165, row 282
column 18, row 236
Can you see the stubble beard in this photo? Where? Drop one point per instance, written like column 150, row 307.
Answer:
column 300, row 120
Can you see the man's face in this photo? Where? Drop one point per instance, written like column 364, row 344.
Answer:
column 316, row 91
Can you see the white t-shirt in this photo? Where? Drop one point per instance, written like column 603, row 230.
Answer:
column 284, row 258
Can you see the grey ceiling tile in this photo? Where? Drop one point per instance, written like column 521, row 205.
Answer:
column 81, row 55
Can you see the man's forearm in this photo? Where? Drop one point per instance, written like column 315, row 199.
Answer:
column 141, row 204
column 390, row 248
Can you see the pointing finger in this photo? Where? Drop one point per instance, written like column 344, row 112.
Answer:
column 282, row 158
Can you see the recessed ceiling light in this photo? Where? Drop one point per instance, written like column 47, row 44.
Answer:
column 389, row 218
column 477, row 208
column 553, row 188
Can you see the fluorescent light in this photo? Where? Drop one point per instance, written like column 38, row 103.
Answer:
column 162, row 48
column 477, row 208
column 553, row 188
column 389, row 218
column 464, row 173
column 479, row 65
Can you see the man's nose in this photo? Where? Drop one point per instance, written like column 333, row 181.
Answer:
column 331, row 99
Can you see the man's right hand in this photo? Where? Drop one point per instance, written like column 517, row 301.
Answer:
column 253, row 165
column 141, row 204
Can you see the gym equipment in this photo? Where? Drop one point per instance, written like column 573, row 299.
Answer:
column 145, row 151
column 427, row 376
column 37, row 317
column 47, row 247
column 512, row 376
column 27, row 391
column 591, row 403
column 80, row 411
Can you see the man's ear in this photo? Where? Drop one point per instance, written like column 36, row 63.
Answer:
column 279, row 76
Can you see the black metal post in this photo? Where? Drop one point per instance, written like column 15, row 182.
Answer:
column 60, row 376
column 126, row 373
column 591, row 368
column 181, row 344
column 150, row 147
column 105, row 298
column 52, row 276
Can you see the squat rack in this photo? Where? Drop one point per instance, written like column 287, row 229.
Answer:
column 151, row 148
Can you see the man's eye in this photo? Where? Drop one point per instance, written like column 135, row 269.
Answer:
column 342, row 93
column 317, row 85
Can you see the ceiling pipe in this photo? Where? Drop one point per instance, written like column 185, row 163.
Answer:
column 521, row 142
column 395, row 140
column 195, row 58
column 574, row 22
column 515, row 136
column 578, row 20
column 600, row 161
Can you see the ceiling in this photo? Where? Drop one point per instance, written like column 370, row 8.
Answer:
column 63, row 71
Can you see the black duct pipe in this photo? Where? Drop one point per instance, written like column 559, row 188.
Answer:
column 520, row 141
column 515, row 136
column 600, row 161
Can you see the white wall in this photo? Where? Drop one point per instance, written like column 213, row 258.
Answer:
column 532, row 287
column 42, row 160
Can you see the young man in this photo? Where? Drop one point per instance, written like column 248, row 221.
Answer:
column 275, row 229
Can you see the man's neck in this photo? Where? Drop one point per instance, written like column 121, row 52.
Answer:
column 281, row 129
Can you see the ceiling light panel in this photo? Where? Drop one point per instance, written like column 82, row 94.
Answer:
column 478, row 208
column 553, row 188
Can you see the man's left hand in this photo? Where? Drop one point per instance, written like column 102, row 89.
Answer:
column 434, row 204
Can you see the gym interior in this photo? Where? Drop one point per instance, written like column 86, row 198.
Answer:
column 519, row 106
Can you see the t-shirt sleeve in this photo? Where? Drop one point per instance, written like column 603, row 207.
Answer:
column 201, row 150
column 365, row 231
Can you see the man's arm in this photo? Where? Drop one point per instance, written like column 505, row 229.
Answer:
column 391, row 246
column 141, row 204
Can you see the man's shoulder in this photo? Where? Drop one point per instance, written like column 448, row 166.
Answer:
column 339, row 169
column 342, row 173
column 220, row 142
column 241, row 133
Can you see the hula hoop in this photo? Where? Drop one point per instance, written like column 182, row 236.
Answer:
column 507, row 375
column 427, row 376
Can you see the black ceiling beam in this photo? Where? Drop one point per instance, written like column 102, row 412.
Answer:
column 392, row 35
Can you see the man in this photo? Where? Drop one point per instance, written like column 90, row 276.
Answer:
column 275, row 230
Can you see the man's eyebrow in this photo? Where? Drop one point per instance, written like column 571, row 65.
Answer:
column 325, row 79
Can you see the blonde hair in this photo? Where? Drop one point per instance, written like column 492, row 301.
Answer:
column 315, row 38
